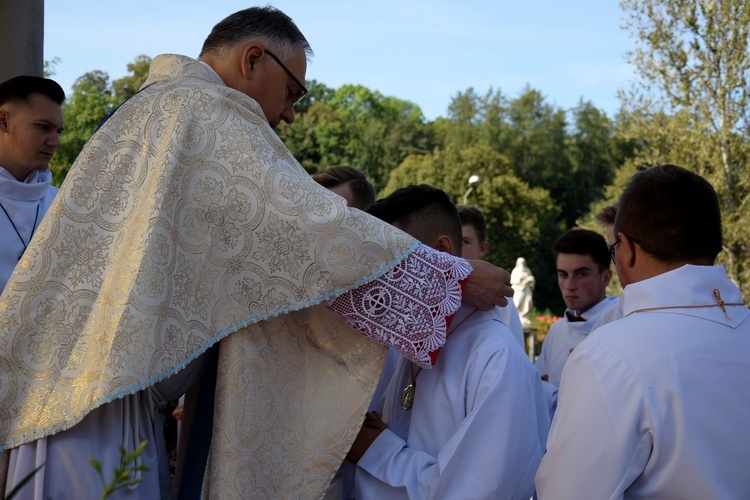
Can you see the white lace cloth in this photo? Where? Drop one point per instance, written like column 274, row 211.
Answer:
column 407, row 308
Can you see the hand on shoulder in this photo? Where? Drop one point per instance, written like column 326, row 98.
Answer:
column 487, row 286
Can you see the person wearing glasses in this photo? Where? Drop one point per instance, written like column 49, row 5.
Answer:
column 186, row 224
column 583, row 274
column 606, row 217
column 656, row 405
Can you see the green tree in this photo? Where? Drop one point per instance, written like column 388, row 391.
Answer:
column 538, row 150
column 125, row 87
column 50, row 66
column 370, row 117
column 690, row 104
column 359, row 127
column 521, row 219
column 594, row 155
column 474, row 119
column 573, row 161
column 464, row 118
column 407, row 138
column 494, row 129
column 317, row 138
column 316, row 92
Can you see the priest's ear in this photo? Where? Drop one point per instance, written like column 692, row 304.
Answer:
column 251, row 53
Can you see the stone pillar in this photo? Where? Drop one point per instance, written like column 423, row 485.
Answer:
column 21, row 38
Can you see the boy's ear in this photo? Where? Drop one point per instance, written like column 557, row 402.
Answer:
column 445, row 244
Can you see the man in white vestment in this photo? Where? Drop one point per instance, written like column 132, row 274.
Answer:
column 186, row 224
column 656, row 405
column 583, row 273
column 31, row 121
column 473, row 247
column 472, row 427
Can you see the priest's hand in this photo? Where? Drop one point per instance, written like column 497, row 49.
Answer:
column 487, row 286
column 371, row 429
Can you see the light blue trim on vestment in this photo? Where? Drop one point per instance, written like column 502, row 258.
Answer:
column 150, row 381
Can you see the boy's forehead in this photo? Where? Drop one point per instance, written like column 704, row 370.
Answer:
column 575, row 262
column 469, row 228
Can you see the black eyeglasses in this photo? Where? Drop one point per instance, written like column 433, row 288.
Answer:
column 612, row 249
column 617, row 242
column 303, row 90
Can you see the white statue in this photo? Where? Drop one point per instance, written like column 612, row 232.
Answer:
column 523, row 282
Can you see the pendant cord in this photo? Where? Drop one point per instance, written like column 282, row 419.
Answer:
column 413, row 383
column 719, row 303
column 33, row 228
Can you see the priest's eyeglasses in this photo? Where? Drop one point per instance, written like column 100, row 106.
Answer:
column 303, row 91
column 617, row 242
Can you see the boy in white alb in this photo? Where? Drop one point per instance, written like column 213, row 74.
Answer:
column 655, row 405
column 583, row 274
column 474, row 425
column 31, row 121
column 474, row 246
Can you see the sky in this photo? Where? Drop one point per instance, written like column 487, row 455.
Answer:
column 423, row 51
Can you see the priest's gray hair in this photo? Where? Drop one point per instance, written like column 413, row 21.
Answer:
column 266, row 25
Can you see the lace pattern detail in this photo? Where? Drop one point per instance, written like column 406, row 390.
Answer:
column 407, row 308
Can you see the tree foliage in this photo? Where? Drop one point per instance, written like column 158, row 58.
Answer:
column 690, row 104
column 126, row 87
column 354, row 125
column 571, row 153
column 521, row 219
column 50, row 66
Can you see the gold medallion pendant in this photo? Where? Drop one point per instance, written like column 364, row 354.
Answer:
column 407, row 397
